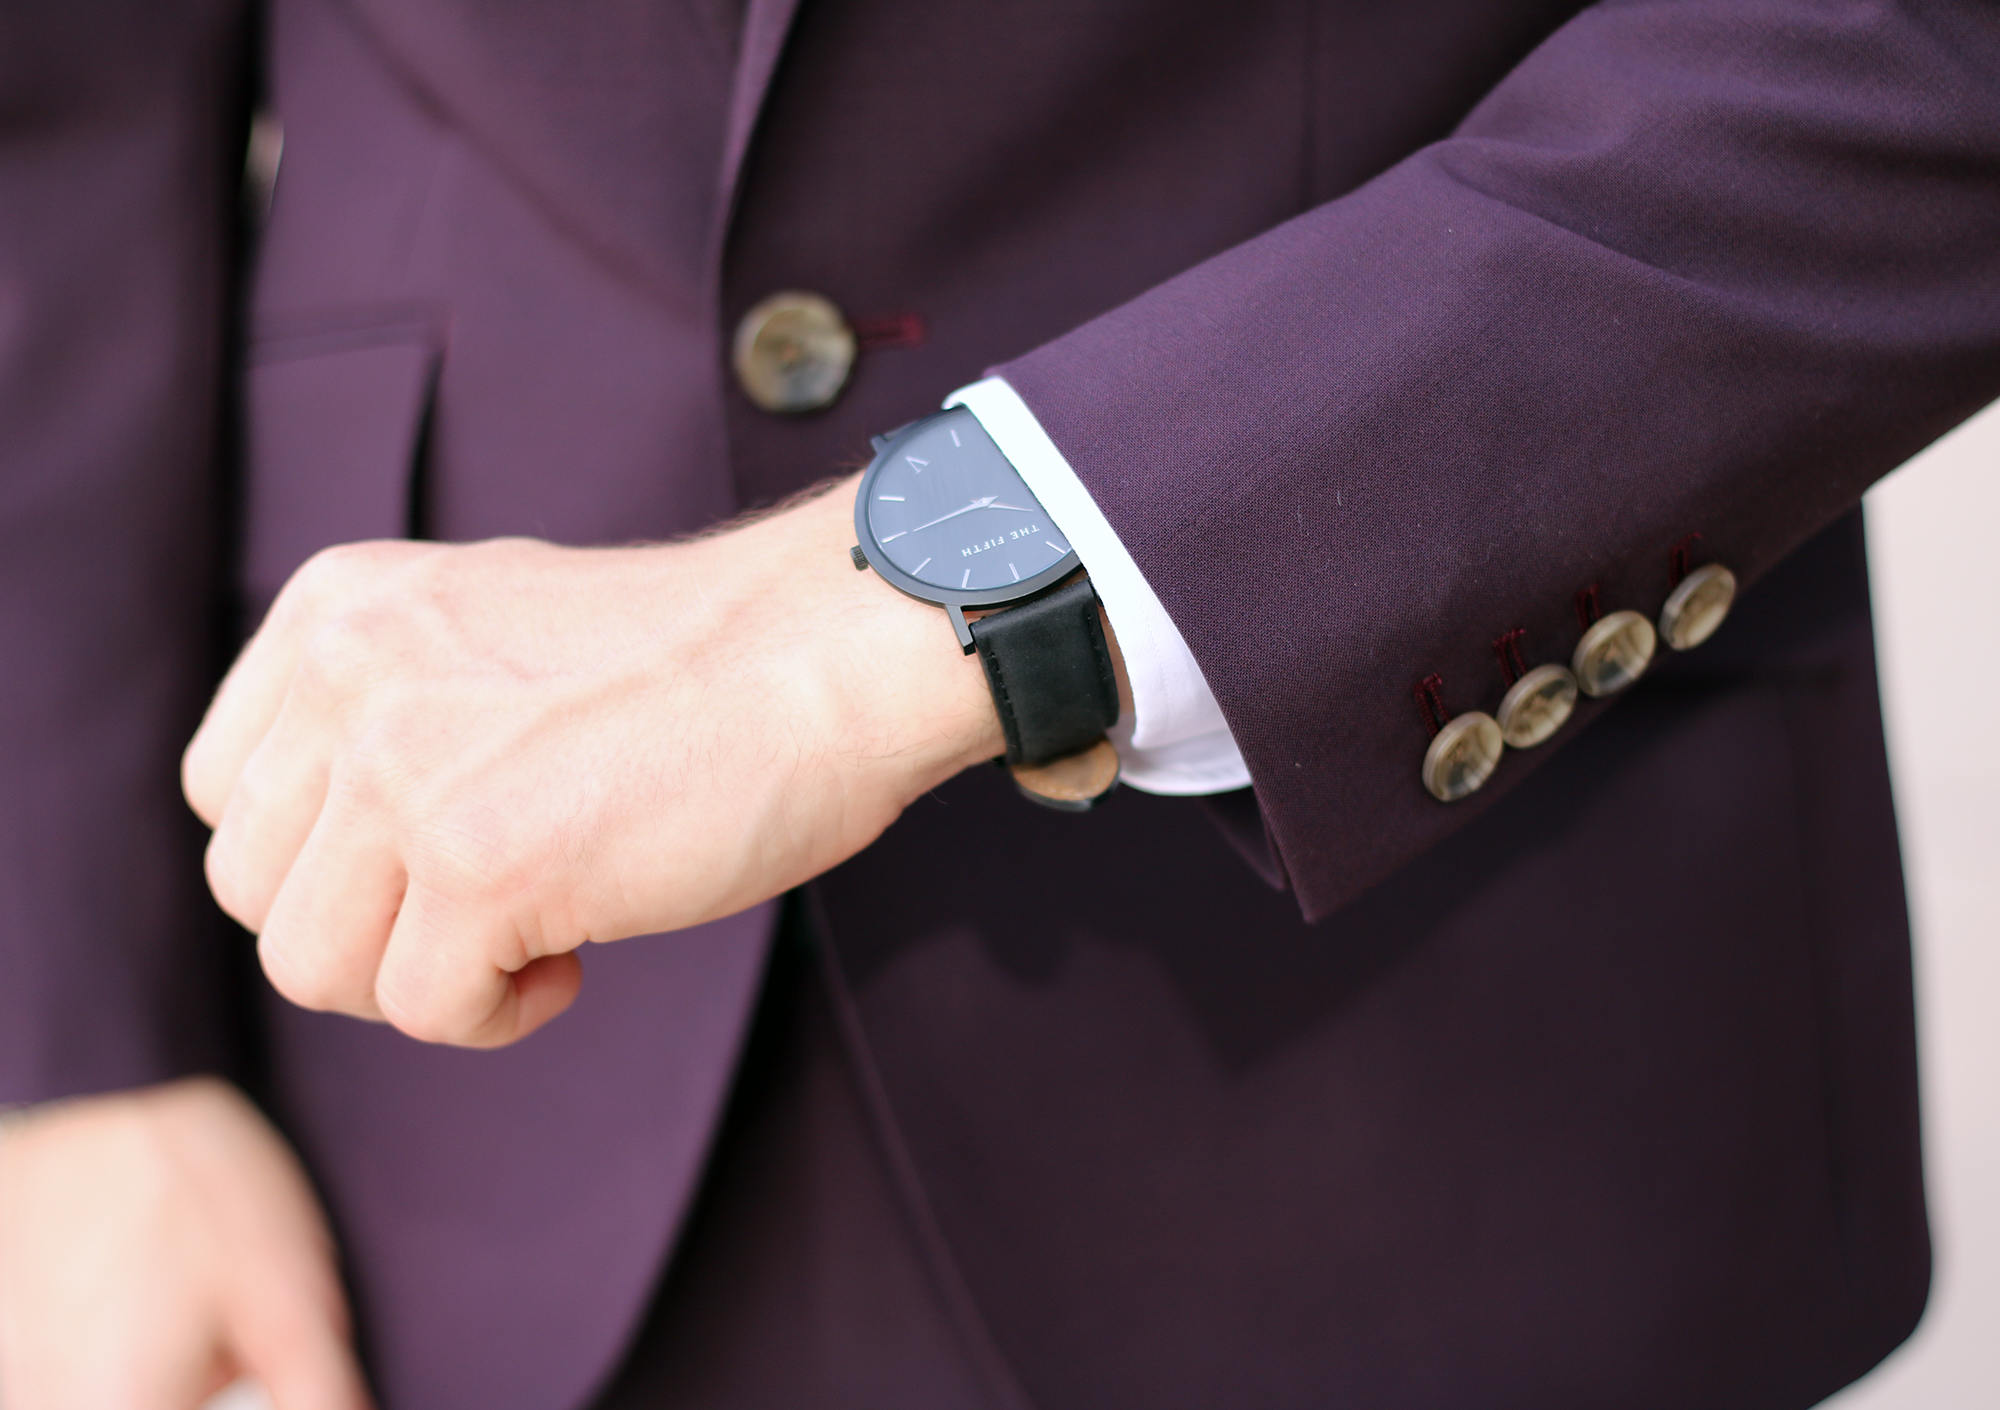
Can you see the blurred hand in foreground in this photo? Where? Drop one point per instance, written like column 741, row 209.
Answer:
column 436, row 772
column 156, row 1246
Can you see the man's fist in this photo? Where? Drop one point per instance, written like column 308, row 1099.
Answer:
column 156, row 1246
column 435, row 772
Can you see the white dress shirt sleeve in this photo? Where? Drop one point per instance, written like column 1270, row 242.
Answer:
column 1175, row 740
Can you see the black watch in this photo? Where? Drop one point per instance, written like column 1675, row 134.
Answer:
column 944, row 516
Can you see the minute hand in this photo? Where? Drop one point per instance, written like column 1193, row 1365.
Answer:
column 976, row 504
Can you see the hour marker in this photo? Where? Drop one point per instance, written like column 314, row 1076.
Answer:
column 892, row 498
column 919, row 568
column 1015, row 571
column 1058, row 547
column 966, row 581
column 954, row 435
column 890, row 538
column 916, row 464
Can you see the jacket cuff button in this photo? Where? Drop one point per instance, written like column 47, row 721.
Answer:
column 1613, row 653
column 1462, row 756
column 1696, row 606
column 1536, row 706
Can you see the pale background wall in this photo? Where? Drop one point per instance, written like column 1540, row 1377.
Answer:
column 1934, row 535
column 1935, row 548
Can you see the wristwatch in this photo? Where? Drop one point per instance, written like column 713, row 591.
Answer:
column 945, row 517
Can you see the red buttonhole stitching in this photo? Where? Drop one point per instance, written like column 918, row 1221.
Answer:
column 1507, row 649
column 1588, row 607
column 894, row 330
column 1677, row 560
column 1429, row 693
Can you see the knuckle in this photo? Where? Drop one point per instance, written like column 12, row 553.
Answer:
column 341, row 654
column 320, row 579
column 303, row 975
column 327, row 583
column 249, row 796
column 340, row 565
column 198, row 784
column 468, row 849
column 222, row 866
column 384, row 759
column 412, row 1013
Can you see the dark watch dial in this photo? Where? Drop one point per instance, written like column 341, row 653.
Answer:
column 944, row 510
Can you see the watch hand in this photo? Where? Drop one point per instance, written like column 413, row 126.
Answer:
column 976, row 504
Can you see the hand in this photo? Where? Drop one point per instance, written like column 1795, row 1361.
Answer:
column 156, row 1246
column 436, row 772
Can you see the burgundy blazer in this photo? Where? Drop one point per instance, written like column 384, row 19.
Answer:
column 1377, row 330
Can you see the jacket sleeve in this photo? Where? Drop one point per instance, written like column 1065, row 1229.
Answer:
column 117, row 202
column 1695, row 267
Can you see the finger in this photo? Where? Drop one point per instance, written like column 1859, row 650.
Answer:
column 455, row 975
column 291, row 1332
column 323, row 940
column 276, row 799
column 252, row 693
column 246, row 702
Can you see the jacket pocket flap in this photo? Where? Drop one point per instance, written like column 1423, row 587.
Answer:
column 331, row 438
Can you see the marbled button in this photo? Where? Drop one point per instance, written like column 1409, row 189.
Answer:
column 1696, row 606
column 1536, row 706
column 1613, row 653
column 793, row 352
column 1462, row 756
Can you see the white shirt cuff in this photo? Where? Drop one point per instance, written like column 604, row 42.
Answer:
column 1175, row 741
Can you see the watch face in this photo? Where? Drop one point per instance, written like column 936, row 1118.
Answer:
column 946, row 509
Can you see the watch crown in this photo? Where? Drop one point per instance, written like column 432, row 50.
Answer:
column 860, row 558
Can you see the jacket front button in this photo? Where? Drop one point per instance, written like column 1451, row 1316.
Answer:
column 1462, row 756
column 1696, row 606
column 1613, row 653
column 793, row 352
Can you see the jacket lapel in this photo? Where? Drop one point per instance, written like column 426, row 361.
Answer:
column 766, row 23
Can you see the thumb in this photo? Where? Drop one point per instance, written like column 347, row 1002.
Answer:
column 293, row 1336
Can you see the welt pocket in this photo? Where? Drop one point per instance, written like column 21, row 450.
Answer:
column 335, row 410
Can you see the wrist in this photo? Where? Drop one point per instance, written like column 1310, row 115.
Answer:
column 902, row 699
column 907, row 698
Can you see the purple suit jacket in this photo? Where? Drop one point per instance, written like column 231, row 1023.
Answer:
column 1376, row 330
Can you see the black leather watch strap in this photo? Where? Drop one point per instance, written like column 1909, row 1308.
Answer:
column 1050, row 669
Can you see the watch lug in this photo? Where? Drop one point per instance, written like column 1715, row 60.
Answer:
column 881, row 443
column 960, row 625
